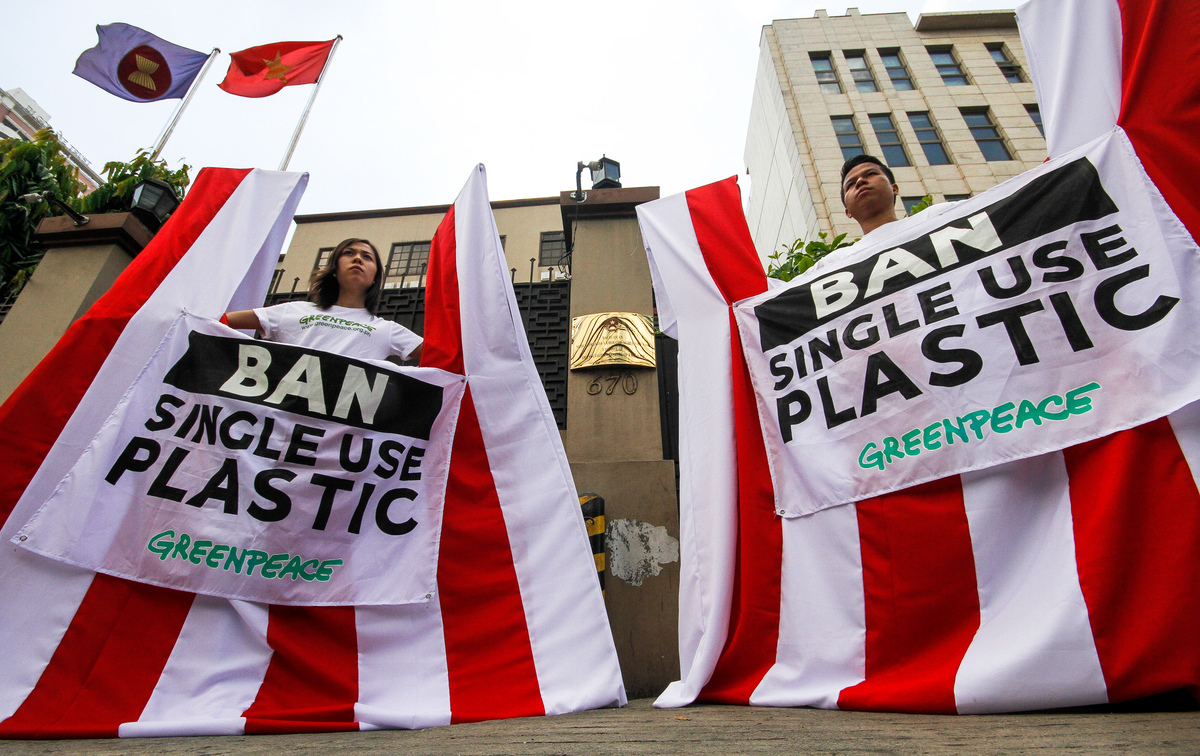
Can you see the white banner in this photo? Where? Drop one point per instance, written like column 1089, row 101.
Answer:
column 261, row 471
column 1055, row 308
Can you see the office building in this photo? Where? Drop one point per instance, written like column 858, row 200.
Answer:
column 947, row 103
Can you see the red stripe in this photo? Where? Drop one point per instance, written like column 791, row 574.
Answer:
column 489, row 657
column 1160, row 108
column 108, row 661
column 729, row 255
column 725, row 241
column 34, row 415
column 1136, row 514
column 107, row 664
column 922, row 602
column 311, row 683
column 443, row 321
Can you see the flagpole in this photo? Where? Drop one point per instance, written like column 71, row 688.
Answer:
column 304, row 117
column 166, row 134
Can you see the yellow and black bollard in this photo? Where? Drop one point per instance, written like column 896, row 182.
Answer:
column 593, row 516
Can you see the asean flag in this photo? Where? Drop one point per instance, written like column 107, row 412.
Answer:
column 1063, row 579
column 516, row 625
column 135, row 65
column 264, row 70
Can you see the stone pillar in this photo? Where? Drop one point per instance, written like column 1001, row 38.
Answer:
column 614, row 442
column 81, row 264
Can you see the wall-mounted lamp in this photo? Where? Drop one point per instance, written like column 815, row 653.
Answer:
column 35, row 197
column 606, row 174
column 153, row 202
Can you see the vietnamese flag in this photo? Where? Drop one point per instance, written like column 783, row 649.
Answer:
column 266, row 69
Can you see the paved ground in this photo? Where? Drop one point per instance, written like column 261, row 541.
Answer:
column 726, row 730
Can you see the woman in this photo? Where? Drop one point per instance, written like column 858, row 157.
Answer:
column 340, row 314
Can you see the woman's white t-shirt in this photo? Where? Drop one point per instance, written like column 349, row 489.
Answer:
column 349, row 331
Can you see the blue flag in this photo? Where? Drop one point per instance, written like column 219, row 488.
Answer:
column 135, row 65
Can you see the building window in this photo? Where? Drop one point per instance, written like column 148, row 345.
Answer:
column 896, row 70
column 948, row 66
column 864, row 81
column 322, row 257
column 847, row 136
column 1036, row 115
column 822, row 65
column 910, row 203
column 957, row 197
column 930, row 141
column 889, row 140
column 986, row 134
column 1010, row 68
column 553, row 249
column 408, row 259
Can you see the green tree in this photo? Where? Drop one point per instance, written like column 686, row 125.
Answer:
column 40, row 166
column 115, row 194
column 793, row 259
column 36, row 166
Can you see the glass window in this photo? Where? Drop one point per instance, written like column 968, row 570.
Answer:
column 957, row 197
column 553, row 250
column 948, row 66
column 823, row 67
column 1036, row 115
column 1010, row 68
column 910, row 203
column 864, row 81
column 847, row 136
column 986, row 134
column 929, row 139
column 408, row 259
column 322, row 257
column 889, row 140
column 896, row 70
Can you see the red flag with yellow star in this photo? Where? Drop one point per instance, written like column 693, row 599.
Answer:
column 266, row 69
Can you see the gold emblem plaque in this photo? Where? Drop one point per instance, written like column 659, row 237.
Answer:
column 612, row 338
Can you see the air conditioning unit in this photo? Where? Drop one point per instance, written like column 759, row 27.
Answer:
column 545, row 275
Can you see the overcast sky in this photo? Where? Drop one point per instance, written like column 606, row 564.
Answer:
column 419, row 92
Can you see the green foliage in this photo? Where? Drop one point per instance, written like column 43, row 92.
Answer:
column 40, row 166
column 925, row 202
column 795, row 258
column 114, row 195
column 35, row 166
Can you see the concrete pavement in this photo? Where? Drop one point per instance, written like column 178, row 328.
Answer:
column 725, row 730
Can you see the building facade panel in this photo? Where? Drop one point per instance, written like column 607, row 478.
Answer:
column 944, row 65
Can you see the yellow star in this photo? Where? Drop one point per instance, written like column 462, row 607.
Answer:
column 276, row 69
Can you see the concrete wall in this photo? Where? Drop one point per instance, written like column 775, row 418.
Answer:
column 80, row 266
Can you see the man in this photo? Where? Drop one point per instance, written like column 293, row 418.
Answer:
column 869, row 192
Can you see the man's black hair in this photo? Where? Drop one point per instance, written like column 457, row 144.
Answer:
column 859, row 160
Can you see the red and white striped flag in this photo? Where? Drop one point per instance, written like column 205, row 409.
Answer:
column 516, row 625
column 1062, row 579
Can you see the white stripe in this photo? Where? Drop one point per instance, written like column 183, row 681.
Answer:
column 1034, row 648
column 217, row 664
column 822, row 613
column 184, row 727
column 707, row 468
column 1074, row 53
column 402, row 677
column 1186, row 424
column 572, row 644
column 39, row 596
